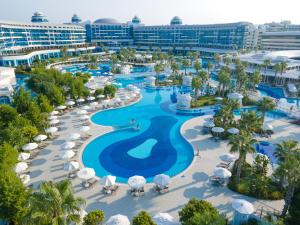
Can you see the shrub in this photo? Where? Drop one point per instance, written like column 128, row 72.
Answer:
column 142, row 218
column 95, row 217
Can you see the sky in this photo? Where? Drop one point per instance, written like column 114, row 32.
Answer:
column 153, row 12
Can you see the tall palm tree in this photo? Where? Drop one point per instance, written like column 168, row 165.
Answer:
column 255, row 79
column 288, row 154
column 283, row 67
column 264, row 105
column 224, row 81
column 185, row 64
column 196, row 85
column 197, row 66
column 250, row 122
column 217, row 58
column 242, row 143
column 266, row 64
column 209, row 67
column 277, row 68
column 54, row 204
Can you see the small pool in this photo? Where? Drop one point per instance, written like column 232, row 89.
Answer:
column 157, row 147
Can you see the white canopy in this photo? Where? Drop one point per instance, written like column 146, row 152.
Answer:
column 100, row 96
column 21, row 167
column 53, row 117
column 54, row 122
column 70, row 103
column 222, row 172
column 233, row 130
column 86, row 173
column 23, row 156
column 90, row 98
column 84, row 117
column 53, row 113
column 208, row 124
column 51, row 130
column 108, row 181
column 82, row 112
column 94, row 104
column 228, row 157
column 29, row 146
column 84, row 129
column 40, row 137
column 80, row 100
column 242, row 206
column 106, row 101
column 217, row 129
column 118, row 220
column 25, row 178
column 164, row 219
column 71, row 166
column 67, row 154
column 61, row 107
column 162, row 180
column 267, row 127
column 85, row 107
column 68, row 145
column 74, row 137
column 136, row 182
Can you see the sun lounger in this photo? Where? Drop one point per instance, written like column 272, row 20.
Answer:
column 224, row 165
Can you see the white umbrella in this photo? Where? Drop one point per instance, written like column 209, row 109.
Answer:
column 61, row 107
column 100, row 96
column 51, row 130
column 118, row 220
column 80, row 100
column 217, row 129
column 118, row 100
column 208, row 124
column 86, row 107
column 54, row 122
column 53, row 117
column 222, row 172
column 162, row 180
column 228, row 157
column 21, row 167
column 68, row 145
column 108, row 181
column 233, row 130
column 70, row 103
column 84, row 117
column 84, row 129
column 82, row 112
column 25, row 178
column 29, row 146
column 40, row 137
column 164, row 219
column 136, row 182
column 71, row 166
column 106, row 101
column 94, row 104
column 86, row 173
column 74, row 137
column 267, row 126
column 53, row 113
column 242, row 206
column 91, row 98
column 67, row 154
column 23, row 156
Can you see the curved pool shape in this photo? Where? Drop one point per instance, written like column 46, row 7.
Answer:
column 156, row 147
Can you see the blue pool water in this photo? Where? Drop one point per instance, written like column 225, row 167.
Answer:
column 268, row 149
column 157, row 147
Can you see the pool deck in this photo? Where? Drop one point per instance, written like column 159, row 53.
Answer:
column 194, row 182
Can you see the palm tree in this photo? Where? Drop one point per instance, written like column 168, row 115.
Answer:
column 250, row 122
column 158, row 68
column 266, row 64
column 283, row 67
column 277, row 68
column 54, row 204
column 242, row 143
column 288, row 154
column 196, row 85
column 264, row 105
column 227, row 60
column 209, row 67
column 185, row 64
column 217, row 58
column 197, row 66
column 224, row 80
column 255, row 79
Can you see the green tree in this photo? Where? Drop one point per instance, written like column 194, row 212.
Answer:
column 283, row 67
column 7, row 115
column 242, row 143
column 142, row 218
column 217, row 58
column 264, row 105
column 185, row 64
column 34, row 115
column 266, row 64
column 250, row 122
column 30, row 132
column 255, row 79
column 44, row 103
column 95, row 217
column 110, row 91
column 196, row 85
column 294, row 210
column 8, row 157
column 197, row 66
column 224, row 80
column 54, row 203
column 22, row 100
column 209, row 66
column 200, row 212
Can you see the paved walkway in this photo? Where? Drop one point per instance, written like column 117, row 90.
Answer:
column 194, row 182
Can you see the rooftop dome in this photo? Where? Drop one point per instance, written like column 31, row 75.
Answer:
column 76, row 19
column 136, row 20
column 176, row 21
column 39, row 17
column 106, row 21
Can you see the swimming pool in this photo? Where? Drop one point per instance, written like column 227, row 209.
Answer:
column 157, row 147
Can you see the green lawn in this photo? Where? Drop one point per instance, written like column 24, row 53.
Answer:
column 203, row 101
